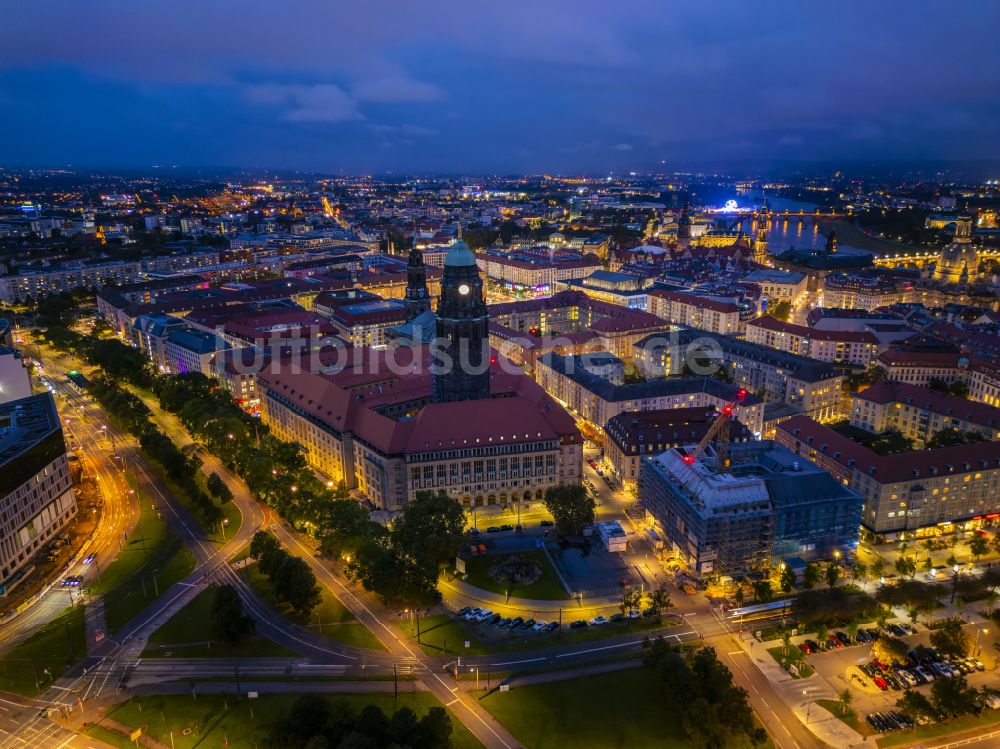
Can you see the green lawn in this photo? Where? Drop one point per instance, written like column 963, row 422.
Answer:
column 795, row 656
column 445, row 634
column 192, row 625
column 546, row 588
column 619, row 709
column 220, row 721
column 852, row 719
column 149, row 535
column 51, row 649
column 331, row 618
column 168, row 564
column 933, row 730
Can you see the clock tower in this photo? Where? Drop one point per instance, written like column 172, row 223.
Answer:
column 417, row 300
column 462, row 330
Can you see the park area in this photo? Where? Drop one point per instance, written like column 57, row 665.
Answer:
column 229, row 722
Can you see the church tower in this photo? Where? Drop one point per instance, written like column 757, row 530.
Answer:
column 761, row 221
column 684, row 227
column 417, row 300
column 462, row 330
column 831, row 243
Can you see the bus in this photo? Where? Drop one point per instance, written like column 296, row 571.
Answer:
column 761, row 611
column 78, row 379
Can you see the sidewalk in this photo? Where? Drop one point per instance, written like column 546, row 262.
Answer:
column 799, row 694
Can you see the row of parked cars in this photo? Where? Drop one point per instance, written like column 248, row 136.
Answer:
column 844, row 640
column 921, row 668
column 889, row 721
column 517, row 623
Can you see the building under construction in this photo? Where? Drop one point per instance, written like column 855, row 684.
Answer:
column 747, row 508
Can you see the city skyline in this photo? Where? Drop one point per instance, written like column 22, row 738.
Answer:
column 447, row 89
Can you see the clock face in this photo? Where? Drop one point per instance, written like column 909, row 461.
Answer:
column 463, row 289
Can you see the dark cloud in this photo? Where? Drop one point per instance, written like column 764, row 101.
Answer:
column 437, row 85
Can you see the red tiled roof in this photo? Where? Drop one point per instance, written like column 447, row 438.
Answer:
column 698, row 301
column 847, row 336
column 891, row 469
column 931, row 400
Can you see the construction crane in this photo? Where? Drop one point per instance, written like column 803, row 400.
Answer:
column 719, row 430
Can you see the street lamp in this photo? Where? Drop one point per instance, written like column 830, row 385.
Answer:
column 982, row 631
column 809, row 703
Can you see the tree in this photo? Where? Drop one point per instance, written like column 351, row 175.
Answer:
column 832, row 573
column 950, row 436
column 845, row 701
column 882, row 616
column 346, row 526
column 762, row 591
column 295, row 584
column 915, row 705
column 229, row 620
column 877, row 568
column 810, row 576
column 978, row 545
column 858, row 571
column 782, row 310
column 266, row 550
column 218, row 488
column 787, row 578
column 572, row 507
column 738, row 594
column 786, row 640
column 435, row 729
column 951, row 639
column 429, row 531
column 953, row 696
column 631, row 600
column 905, row 566
column 659, row 601
column 890, row 650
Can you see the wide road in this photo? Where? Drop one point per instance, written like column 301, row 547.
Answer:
column 85, row 427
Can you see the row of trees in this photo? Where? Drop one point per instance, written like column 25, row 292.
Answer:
column 291, row 578
column 316, row 722
column 134, row 416
column 713, row 711
column 949, row 698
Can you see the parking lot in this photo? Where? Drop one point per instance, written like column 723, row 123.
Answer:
column 876, row 687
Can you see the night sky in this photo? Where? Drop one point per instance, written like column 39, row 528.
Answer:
column 504, row 86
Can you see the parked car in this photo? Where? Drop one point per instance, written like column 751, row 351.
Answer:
column 842, row 636
column 881, row 683
column 617, row 617
column 804, row 647
column 483, row 616
column 540, row 625
column 463, row 611
column 833, row 642
column 546, row 524
column 552, row 627
column 578, row 624
column 493, row 529
column 516, row 622
column 506, row 527
column 528, row 624
column 495, row 619
column 814, row 645
column 633, row 614
column 598, row 621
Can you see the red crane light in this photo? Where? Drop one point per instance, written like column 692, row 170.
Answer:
column 727, row 410
column 689, row 459
column 741, row 394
